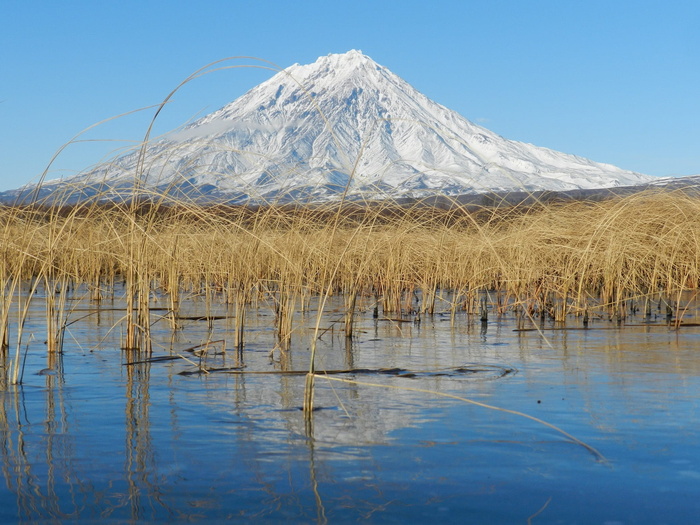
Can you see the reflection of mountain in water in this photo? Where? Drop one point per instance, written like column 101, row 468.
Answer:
column 351, row 414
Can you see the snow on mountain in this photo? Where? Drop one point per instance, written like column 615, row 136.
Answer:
column 345, row 124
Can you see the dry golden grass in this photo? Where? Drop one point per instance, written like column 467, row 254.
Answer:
column 549, row 260
column 636, row 245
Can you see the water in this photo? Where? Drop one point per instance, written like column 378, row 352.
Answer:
column 89, row 437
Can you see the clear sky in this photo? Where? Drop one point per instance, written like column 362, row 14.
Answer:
column 617, row 81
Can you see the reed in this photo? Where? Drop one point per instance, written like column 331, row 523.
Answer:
column 575, row 254
column 553, row 260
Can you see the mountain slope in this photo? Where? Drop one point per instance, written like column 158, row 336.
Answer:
column 345, row 123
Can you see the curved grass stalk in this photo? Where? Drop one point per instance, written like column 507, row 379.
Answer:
column 599, row 457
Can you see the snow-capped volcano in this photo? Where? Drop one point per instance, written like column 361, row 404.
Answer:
column 345, row 124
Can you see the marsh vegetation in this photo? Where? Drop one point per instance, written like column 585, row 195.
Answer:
column 608, row 259
column 331, row 304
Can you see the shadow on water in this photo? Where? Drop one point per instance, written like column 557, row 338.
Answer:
column 200, row 430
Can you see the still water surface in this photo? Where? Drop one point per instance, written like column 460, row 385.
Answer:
column 89, row 437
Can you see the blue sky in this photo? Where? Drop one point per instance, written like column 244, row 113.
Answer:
column 614, row 81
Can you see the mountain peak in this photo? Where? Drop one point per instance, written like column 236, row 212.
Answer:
column 332, row 67
column 353, row 59
column 347, row 60
column 345, row 125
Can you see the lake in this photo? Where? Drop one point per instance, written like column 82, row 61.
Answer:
column 99, row 433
